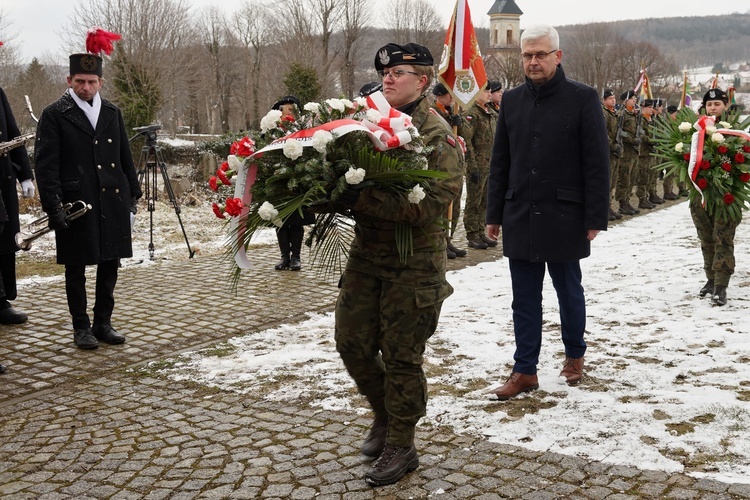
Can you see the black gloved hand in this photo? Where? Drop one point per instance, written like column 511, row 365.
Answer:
column 134, row 206
column 56, row 219
column 349, row 197
column 474, row 177
column 456, row 120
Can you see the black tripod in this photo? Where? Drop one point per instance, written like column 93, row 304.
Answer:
column 151, row 160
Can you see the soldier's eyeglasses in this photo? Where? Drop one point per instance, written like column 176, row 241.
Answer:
column 540, row 56
column 395, row 74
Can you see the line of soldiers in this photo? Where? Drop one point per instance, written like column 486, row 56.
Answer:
column 476, row 127
column 629, row 128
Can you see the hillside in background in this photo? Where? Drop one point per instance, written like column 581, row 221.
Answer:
column 690, row 41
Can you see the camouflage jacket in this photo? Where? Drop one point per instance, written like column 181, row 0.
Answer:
column 647, row 133
column 611, row 119
column 377, row 212
column 444, row 113
column 478, row 130
column 629, row 129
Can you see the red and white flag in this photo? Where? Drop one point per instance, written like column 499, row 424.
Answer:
column 644, row 84
column 461, row 67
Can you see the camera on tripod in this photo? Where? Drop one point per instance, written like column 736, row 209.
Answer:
column 149, row 132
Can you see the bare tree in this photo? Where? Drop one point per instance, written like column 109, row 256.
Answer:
column 9, row 58
column 355, row 17
column 415, row 21
column 589, row 54
column 328, row 16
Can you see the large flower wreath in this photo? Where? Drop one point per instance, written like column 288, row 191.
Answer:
column 713, row 158
column 306, row 162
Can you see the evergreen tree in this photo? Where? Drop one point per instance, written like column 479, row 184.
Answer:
column 303, row 82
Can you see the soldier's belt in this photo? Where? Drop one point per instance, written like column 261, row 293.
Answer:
column 389, row 235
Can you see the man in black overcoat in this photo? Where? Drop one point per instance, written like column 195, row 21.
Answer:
column 549, row 190
column 14, row 167
column 82, row 153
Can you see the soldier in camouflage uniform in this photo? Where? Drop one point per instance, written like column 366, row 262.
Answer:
column 629, row 157
column 496, row 95
column 669, row 183
column 478, row 130
column 646, row 175
column 388, row 309
column 716, row 235
column 615, row 148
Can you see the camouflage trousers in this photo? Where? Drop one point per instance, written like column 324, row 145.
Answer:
column 645, row 177
column 475, row 211
column 627, row 165
column 455, row 211
column 717, row 244
column 614, row 168
column 384, row 316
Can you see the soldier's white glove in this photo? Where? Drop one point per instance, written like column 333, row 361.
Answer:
column 27, row 188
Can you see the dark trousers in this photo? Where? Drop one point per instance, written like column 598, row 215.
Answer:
column 8, row 272
column 75, row 290
column 527, row 279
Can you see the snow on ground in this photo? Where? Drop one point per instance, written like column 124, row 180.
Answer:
column 667, row 374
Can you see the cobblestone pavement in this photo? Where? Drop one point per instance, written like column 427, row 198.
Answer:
column 83, row 424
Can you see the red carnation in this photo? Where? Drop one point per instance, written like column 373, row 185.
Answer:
column 728, row 198
column 224, row 166
column 739, row 158
column 686, row 157
column 702, row 184
column 213, row 183
column 223, row 177
column 746, row 149
column 722, row 149
column 234, row 206
column 288, row 118
column 217, row 211
column 727, row 166
column 244, row 147
column 705, row 165
column 744, row 177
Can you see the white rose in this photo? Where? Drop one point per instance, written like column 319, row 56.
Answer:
column 711, row 130
column 725, row 125
column 320, row 139
column 361, row 102
column 270, row 120
column 336, row 104
column 292, row 149
column 717, row 138
column 347, row 103
column 267, row 211
column 416, row 194
column 234, row 163
column 312, row 107
column 685, row 127
column 355, row 175
column 374, row 116
column 679, row 147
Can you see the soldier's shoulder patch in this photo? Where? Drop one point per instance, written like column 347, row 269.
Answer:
column 468, row 118
column 451, row 140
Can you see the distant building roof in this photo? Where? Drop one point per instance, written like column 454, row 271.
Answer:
column 504, row 7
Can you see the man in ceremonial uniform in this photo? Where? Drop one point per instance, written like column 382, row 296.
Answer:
column 615, row 148
column 647, row 175
column 629, row 157
column 82, row 153
column 444, row 107
column 478, row 130
column 388, row 308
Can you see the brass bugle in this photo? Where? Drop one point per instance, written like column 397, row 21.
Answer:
column 38, row 228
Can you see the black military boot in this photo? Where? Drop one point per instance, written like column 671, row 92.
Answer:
column 458, row 251
column 296, row 234
column 393, row 464
column 655, row 200
column 720, row 295
column 625, row 208
column 631, row 207
column 283, row 236
column 644, row 203
column 708, row 289
column 375, row 440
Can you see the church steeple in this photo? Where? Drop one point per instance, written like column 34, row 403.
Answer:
column 505, row 25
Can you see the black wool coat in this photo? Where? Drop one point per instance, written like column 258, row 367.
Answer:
column 75, row 162
column 14, row 167
column 549, row 172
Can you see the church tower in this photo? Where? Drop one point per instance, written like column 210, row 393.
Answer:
column 505, row 27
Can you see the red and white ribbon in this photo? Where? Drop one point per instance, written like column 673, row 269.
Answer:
column 697, row 142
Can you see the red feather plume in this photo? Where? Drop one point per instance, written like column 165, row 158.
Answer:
column 98, row 40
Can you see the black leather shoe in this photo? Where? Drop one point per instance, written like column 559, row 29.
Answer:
column 84, row 339
column 393, row 464
column 282, row 264
column 720, row 295
column 458, row 251
column 375, row 440
column 295, row 264
column 2, row 369
column 490, row 242
column 708, row 289
column 107, row 334
column 478, row 244
column 10, row 316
